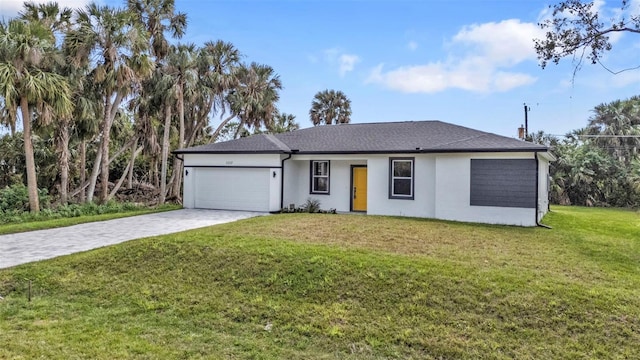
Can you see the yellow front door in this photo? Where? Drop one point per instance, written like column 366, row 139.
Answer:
column 359, row 191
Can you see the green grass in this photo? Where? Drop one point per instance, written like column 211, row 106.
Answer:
column 339, row 286
column 12, row 228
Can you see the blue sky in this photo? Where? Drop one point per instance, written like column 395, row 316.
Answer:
column 467, row 62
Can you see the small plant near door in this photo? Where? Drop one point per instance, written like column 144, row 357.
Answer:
column 310, row 206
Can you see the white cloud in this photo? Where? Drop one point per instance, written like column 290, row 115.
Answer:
column 10, row 8
column 347, row 63
column 412, row 45
column 330, row 55
column 480, row 60
column 509, row 41
column 436, row 77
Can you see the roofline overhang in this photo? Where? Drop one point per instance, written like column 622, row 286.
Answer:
column 377, row 152
column 228, row 152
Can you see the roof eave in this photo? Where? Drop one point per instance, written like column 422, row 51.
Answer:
column 228, row 152
column 421, row 151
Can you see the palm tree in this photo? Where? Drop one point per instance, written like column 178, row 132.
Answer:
column 118, row 43
column 49, row 15
column 616, row 126
column 182, row 67
column 253, row 100
column 329, row 107
column 24, row 83
column 158, row 17
column 165, row 93
column 217, row 71
column 283, row 122
column 58, row 21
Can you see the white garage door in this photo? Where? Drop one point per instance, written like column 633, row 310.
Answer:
column 232, row 189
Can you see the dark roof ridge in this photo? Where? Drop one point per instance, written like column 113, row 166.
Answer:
column 277, row 142
column 381, row 122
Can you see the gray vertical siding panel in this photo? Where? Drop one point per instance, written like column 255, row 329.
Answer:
column 503, row 182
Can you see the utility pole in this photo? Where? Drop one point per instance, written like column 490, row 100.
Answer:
column 526, row 120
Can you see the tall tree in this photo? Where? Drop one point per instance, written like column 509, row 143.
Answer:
column 159, row 17
column 25, row 46
column 182, row 67
column 118, row 43
column 254, row 99
column 283, row 122
column 166, row 95
column 58, row 21
column 217, row 72
column 329, row 107
column 577, row 29
column 616, row 128
column 50, row 15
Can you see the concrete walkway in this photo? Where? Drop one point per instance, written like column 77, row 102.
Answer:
column 31, row 246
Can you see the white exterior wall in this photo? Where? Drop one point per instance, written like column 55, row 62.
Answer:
column 441, row 184
column 265, row 160
column 543, row 187
column 188, row 188
column 192, row 162
column 453, row 179
column 297, row 174
column 423, row 203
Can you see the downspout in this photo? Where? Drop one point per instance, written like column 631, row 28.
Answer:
column 538, row 192
column 282, row 179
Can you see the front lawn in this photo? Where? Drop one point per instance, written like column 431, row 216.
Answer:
column 303, row 286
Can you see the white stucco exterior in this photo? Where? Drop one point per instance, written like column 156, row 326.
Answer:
column 223, row 177
column 441, row 187
column 453, row 176
column 441, row 184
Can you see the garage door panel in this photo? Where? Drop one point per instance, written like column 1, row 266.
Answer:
column 232, row 189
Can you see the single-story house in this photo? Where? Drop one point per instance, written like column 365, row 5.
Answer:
column 429, row 169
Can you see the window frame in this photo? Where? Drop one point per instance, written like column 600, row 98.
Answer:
column 312, row 177
column 392, row 195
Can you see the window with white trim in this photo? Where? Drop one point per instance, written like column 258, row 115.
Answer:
column 401, row 178
column 319, row 176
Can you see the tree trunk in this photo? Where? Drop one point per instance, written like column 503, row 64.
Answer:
column 32, row 180
column 83, row 168
column 153, row 172
column 132, row 163
column 94, row 173
column 165, row 152
column 177, row 164
column 104, row 149
column 109, row 116
column 220, row 127
column 117, row 186
column 63, row 159
column 122, row 149
column 240, row 126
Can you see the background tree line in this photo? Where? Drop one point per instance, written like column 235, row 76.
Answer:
column 93, row 100
column 598, row 165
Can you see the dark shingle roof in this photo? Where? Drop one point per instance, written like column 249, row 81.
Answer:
column 389, row 137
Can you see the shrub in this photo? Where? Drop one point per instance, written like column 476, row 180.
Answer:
column 16, row 197
column 311, row 206
column 21, row 215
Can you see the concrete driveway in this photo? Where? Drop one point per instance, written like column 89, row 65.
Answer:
column 31, row 246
